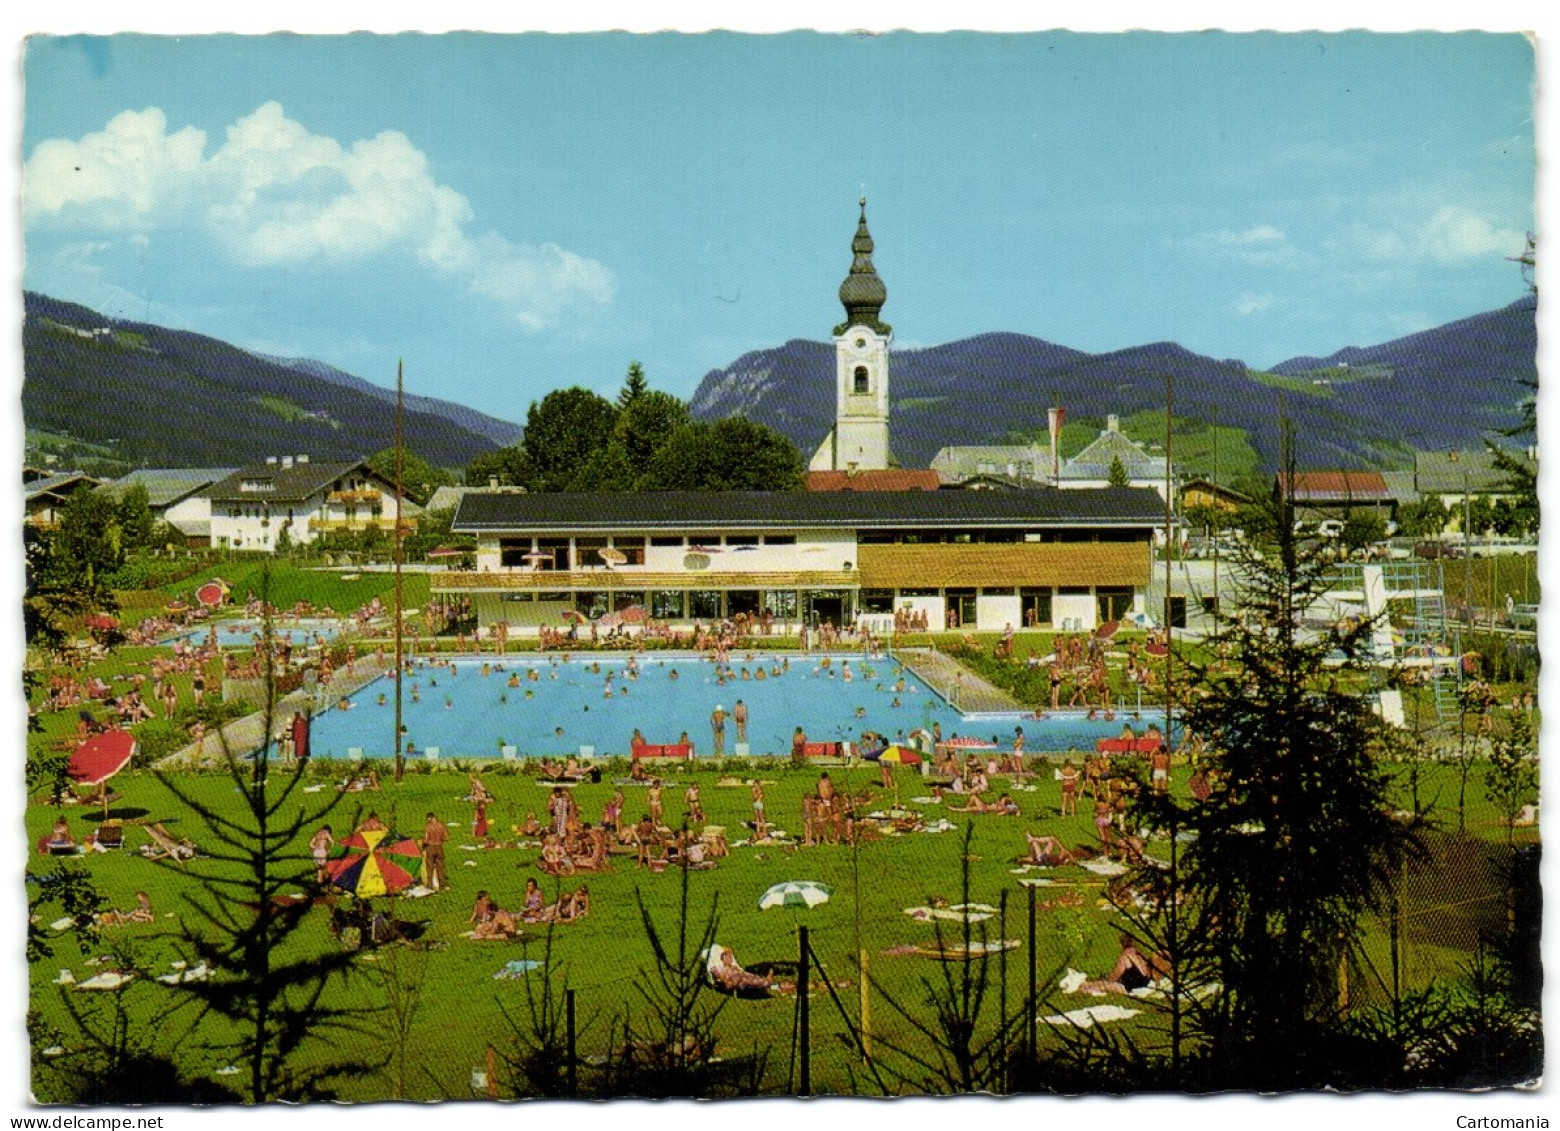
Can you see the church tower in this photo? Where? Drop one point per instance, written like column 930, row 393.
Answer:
column 859, row 439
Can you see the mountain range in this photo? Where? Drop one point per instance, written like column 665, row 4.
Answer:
column 152, row 396
column 155, row 397
column 1361, row 407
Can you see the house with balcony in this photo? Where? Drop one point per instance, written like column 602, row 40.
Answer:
column 252, row 506
column 179, row 496
column 966, row 559
column 45, row 495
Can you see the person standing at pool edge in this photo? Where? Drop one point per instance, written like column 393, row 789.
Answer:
column 718, row 730
column 739, row 714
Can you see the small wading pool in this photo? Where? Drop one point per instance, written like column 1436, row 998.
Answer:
column 242, row 633
column 466, row 714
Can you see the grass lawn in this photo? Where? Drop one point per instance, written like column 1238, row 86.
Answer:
column 606, row 957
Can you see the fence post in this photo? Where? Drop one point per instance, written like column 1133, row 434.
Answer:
column 804, row 1082
column 1034, row 1004
column 568, row 1028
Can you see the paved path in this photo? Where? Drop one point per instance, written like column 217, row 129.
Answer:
column 242, row 737
column 956, row 683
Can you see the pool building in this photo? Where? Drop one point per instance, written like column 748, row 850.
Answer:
column 1040, row 558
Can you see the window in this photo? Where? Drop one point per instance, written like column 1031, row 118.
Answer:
column 704, row 540
column 553, row 553
column 877, row 600
column 704, row 604
column 590, row 604
column 666, row 604
column 512, row 552
column 1114, row 603
column 779, row 539
column 961, row 602
column 586, row 552
column 632, row 549
column 664, row 540
column 1034, row 606
column 782, row 603
column 860, row 379
column 626, row 598
column 742, row 539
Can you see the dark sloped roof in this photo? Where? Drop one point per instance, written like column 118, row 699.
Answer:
column 167, row 485
column 760, row 510
column 293, row 483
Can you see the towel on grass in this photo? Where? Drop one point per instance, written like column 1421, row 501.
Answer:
column 64, row 924
column 1071, row 980
column 941, row 825
column 974, row 912
column 517, row 968
column 1103, row 867
column 313, row 788
column 1088, row 1017
column 109, row 980
column 192, row 974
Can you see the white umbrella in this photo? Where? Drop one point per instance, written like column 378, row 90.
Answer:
column 795, row 893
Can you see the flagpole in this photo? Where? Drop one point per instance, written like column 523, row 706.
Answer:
column 400, row 755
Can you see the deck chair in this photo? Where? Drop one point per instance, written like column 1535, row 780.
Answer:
column 111, row 834
column 164, row 845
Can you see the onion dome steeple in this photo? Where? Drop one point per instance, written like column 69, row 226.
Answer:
column 863, row 293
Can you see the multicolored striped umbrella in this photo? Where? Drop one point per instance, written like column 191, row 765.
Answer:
column 374, row 861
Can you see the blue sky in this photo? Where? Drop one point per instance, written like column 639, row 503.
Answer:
column 515, row 214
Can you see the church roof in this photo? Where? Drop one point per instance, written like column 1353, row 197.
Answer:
column 1094, row 461
column 863, row 293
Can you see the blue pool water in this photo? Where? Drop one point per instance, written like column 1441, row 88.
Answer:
column 469, row 715
column 241, row 633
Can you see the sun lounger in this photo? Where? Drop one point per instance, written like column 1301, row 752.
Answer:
column 164, row 845
column 664, row 750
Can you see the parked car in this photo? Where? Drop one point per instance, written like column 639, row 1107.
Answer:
column 1434, row 550
column 1523, row 616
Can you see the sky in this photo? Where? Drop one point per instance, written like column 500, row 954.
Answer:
column 513, row 214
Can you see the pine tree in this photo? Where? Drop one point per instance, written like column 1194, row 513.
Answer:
column 634, row 386
column 1118, row 473
column 1277, row 869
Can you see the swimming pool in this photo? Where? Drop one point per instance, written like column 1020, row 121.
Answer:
column 240, row 633
column 595, row 703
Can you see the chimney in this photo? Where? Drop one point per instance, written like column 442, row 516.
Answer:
column 286, row 462
column 303, row 459
column 1113, row 423
column 492, row 483
column 850, row 470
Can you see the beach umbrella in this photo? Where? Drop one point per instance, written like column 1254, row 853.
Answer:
column 100, row 758
column 1155, row 648
column 101, row 622
column 213, row 593
column 374, row 861
column 612, row 555
column 610, row 620
column 795, row 893
column 1107, row 630
column 896, row 755
column 634, row 614
column 575, row 615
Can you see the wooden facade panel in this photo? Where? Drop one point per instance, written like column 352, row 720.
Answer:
column 525, row 580
column 1038, row 564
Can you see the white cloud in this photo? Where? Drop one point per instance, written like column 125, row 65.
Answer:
column 1249, row 304
column 1451, row 234
column 1261, row 245
column 276, row 194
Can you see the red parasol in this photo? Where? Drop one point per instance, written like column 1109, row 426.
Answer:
column 1155, row 648
column 1107, row 630
column 575, row 615
column 634, row 614
column 100, row 758
column 213, row 593
column 101, row 622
